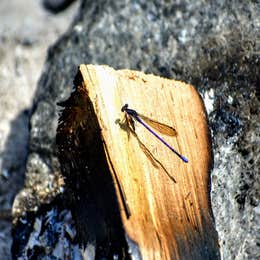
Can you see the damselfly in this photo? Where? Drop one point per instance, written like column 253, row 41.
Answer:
column 162, row 128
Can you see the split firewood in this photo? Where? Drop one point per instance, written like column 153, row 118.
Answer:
column 135, row 152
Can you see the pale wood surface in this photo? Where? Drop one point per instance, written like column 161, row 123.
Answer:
column 169, row 220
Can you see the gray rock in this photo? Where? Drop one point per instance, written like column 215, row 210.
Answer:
column 26, row 31
column 212, row 45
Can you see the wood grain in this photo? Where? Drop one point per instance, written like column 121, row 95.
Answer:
column 169, row 220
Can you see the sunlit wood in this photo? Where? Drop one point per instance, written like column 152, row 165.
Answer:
column 168, row 218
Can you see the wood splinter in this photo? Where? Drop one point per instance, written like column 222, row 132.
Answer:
column 160, row 197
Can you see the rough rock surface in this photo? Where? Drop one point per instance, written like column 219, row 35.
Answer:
column 26, row 31
column 212, row 45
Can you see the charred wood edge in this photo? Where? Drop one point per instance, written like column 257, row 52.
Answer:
column 82, row 156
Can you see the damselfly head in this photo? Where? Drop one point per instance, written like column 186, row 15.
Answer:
column 124, row 107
